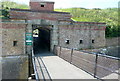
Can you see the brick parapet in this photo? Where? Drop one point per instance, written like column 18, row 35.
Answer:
column 83, row 25
column 38, row 15
column 12, row 25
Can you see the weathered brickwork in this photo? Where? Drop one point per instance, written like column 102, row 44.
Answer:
column 11, row 33
column 84, row 32
column 39, row 10
column 20, row 14
column 63, row 31
column 60, row 32
column 46, row 6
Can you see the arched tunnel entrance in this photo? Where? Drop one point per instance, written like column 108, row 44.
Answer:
column 41, row 40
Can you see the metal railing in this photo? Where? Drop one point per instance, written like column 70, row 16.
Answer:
column 95, row 64
column 34, row 67
column 40, row 70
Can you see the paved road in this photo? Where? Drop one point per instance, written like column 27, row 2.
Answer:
column 58, row 68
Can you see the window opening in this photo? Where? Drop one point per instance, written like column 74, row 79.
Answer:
column 67, row 41
column 81, row 41
column 42, row 5
column 14, row 43
column 93, row 41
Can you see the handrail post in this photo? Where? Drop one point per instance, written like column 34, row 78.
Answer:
column 60, row 51
column 71, row 56
column 54, row 50
column 95, row 68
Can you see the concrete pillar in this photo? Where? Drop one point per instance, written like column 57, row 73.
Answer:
column 29, row 47
column 54, row 35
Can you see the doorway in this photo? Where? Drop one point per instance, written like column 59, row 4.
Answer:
column 41, row 40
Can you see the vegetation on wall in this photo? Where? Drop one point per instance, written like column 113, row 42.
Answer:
column 109, row 15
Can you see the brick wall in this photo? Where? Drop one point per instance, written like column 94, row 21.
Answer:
column 61, row 31
column 82, row 31
column 38, row 15
column 37, row 6
column 12, row 32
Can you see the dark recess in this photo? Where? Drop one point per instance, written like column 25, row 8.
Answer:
column 42, row 43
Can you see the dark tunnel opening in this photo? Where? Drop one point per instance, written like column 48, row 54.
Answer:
column 41, row 43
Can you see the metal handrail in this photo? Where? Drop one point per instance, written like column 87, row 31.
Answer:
column 103, row 55
column 34, row 66
column 96, row 60
column 99, row 54
column 45, row 69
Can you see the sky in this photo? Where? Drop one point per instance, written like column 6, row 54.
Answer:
column 80, row 3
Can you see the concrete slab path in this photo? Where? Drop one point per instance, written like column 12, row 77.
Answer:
column 61, row 69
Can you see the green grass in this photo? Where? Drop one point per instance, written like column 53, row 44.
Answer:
column 109, row 15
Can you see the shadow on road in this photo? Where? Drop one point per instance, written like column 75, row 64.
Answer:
column 44, row 53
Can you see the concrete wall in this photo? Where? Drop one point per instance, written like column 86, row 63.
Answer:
column 81, row 31
column 13, row 32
